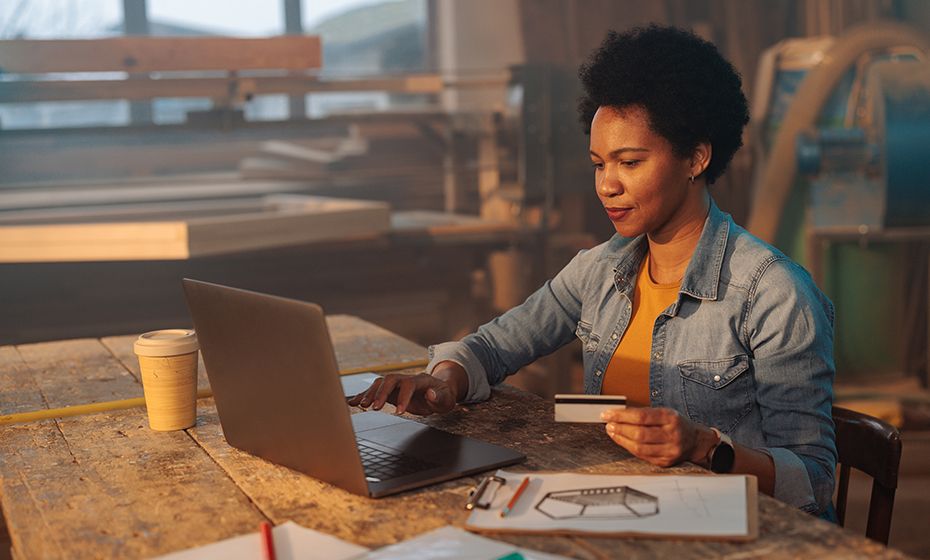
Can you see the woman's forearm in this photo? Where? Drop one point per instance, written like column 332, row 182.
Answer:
column 752, row 461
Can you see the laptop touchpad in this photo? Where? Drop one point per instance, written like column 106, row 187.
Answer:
column 413, row 438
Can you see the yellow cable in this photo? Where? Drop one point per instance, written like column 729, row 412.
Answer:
column 80, row 409
column 385, row 367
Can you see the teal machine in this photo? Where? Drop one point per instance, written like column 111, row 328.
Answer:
column 875, row 175
column 843, row 184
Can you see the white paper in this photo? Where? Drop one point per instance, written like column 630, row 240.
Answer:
column 448, row 543
column 355, row 383
column 689, row 505
column 291, row 542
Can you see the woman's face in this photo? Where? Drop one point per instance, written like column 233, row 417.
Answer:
column 643, row 185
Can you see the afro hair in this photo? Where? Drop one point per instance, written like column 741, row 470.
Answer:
column 690, row 92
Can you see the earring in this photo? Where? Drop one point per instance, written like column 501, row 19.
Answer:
column 691, row 178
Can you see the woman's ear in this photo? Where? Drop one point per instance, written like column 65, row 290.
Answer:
column 700, row 159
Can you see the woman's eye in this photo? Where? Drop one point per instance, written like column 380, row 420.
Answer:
column 597, row 165
column 630, row 162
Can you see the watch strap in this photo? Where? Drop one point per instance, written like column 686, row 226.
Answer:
column 723, row 454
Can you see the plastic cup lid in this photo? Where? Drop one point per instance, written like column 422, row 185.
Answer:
column 166, row 342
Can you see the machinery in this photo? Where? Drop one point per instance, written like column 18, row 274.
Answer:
column 843, row 183
column 875, row 174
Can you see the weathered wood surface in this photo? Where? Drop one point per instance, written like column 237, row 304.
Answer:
column 105, row 485
column 102, row 486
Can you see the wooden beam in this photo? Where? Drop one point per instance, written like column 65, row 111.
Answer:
column 159, row 54
column 282, row 220
column 236, row 89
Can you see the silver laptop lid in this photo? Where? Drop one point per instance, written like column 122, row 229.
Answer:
column 275, row 381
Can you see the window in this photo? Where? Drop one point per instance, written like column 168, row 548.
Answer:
column 235, row 18
column 366, row 37
column 360, row 37
column 61, row 19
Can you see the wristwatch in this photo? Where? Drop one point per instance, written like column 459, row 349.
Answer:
column 722, row 455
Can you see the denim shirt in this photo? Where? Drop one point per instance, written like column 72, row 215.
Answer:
column 747, row 347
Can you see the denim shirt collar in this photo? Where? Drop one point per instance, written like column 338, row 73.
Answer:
column 702, row 277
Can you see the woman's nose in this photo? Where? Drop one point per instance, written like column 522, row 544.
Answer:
column 608, row 182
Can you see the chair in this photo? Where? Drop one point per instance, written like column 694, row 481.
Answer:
column 873, row 447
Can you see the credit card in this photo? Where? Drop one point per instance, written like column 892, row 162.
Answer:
column 585, row 408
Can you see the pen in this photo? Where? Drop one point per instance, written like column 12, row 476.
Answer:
column 267, row 540
column 516, row 496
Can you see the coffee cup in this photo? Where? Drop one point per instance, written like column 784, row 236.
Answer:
column 168, row 360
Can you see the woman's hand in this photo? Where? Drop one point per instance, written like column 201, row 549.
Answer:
column 419, row 394
column 660, row 436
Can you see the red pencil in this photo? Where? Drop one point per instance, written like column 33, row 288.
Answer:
column 267, row 540
column 516, row 496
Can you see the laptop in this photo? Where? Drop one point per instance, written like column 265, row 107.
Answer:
column 278, row 394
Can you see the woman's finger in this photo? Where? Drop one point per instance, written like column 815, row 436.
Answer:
column 384, row 391
column 364, row 398
column 439, row 397
column 642, row 434
column 662, row 454
column 405, row 390
column 638, row 416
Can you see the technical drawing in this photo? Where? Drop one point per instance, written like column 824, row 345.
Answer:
column 615, row 502
column 693, row 500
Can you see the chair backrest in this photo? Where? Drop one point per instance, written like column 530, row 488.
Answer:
column 873, row 447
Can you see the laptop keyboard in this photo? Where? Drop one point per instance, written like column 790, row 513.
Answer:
column 380, row 465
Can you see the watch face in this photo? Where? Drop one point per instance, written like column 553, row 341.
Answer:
column 722, row 461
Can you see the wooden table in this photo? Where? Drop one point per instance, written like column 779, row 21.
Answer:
column 106, row 486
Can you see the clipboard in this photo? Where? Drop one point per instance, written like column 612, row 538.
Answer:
column 699, row 507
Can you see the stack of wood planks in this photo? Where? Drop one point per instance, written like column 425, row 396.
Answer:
column 181, row 230
column 400, row 162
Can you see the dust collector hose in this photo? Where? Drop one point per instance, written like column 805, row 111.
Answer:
column 771, row 192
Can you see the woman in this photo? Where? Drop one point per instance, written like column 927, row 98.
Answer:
column 722, row 345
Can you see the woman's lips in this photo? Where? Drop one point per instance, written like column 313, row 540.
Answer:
column 617, row 214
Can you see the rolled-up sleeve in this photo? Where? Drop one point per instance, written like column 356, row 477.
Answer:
column 790, row 332
column 537, row 327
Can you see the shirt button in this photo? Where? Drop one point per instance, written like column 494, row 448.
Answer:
column 614, row 336
column 657, row 355
column 716, row 378
column 655, row 393
column 598, row 373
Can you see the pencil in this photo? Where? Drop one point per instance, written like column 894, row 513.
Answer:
column 267, row 540
column 516, row 496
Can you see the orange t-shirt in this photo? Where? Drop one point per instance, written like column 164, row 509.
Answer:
column 628, row 370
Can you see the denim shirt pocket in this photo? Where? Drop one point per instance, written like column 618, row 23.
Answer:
column 717, row 393
column 589, row 340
